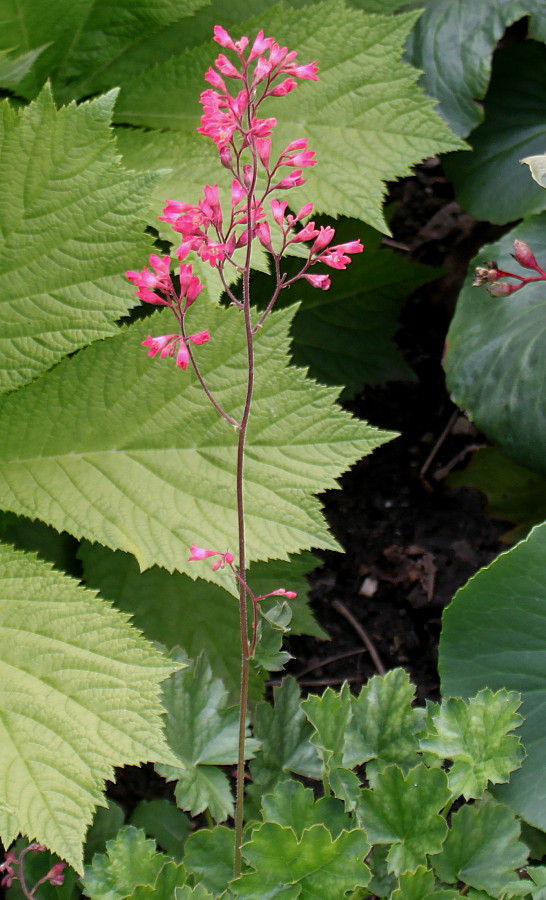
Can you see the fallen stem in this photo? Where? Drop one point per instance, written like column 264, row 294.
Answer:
column 368, row 643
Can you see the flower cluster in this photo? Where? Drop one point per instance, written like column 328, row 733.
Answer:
column 490, row 274
column 12, row 869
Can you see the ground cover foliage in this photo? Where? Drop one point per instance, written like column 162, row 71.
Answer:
column 112, row 465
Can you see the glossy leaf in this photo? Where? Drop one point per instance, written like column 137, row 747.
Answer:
column 421, row 885
column 474, row 737
column 71, row 221
column 453, row 42
column 482, row 849
column 312, row 868
column 390, row 811
column 495, row 361
column 489, row 182
column 71, row 666
column 150, row 468
column 493, row 634
column 202, row 732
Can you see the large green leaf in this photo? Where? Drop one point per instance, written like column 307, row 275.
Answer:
column 420, row 885
column 294, row 806
column 196, row 615
column 313, row 868
column 474, row 737
column 127, row 451
column 72, row 668
column 482, row 849
column 82, row 39
column 131, row 861
column 489, row 182
column 202, row 732
column 453, row 42
column 495, row 355
column 365, row 118
column 404, row 811
column 71, row 222
column 494, row 634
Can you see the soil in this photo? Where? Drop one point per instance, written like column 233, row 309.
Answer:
column 410, row 540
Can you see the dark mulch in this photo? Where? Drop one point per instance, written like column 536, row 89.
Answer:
column 410, row 541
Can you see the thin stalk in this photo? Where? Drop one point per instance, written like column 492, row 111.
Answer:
column 193, row 361
column 243, row 616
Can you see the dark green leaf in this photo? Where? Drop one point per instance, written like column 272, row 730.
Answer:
column 209, row 855
column 164, row 822
column 294, row 806
column 493, row 634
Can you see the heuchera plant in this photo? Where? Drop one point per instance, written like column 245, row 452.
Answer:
column 232, row 120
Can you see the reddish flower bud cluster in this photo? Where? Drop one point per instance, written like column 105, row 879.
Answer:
column 12, row 869
column 490, row 273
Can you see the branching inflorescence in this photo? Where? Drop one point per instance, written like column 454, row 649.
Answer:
column 490, row 274
column 225, row 238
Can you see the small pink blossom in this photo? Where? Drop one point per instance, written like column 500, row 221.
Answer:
column 293, row 180
column 263, row 234
column 226, row 67
column 325, row 236
column 260, row 45
column 199, row 553
column 283, row 88
column 306, row 73
column 55, row 875
column 168, row 344
column 318, row 281
column 280, row 592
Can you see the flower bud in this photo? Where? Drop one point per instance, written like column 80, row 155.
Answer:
column 502, row 288
column 524, row 255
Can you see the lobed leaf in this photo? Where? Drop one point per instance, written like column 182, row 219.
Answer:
column 202, row 732
column 313, row 868
column 209, row 856
column 391, row 809
column 482, row 849
column 293, row 806
column 493, row 634
column 70, row 221
column 71, row 667
column 474, row 737
column 421, row 885
column 123, row 450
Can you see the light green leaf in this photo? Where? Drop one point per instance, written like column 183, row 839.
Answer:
column 514, row 494
column 537, row 167
column 196, row 893
column 384, row 725
column 196, row 615
column 170, row 878
column 489, row 182
column 396, row 804
column 202, row 732
column 493, row 634
column 84, row 37
column 330, row 714
column 284, row 733
column 150, row 468
column 71, row 667
column 475, row 738
column 495, row 359
column 317, row 865
column 453, row 43
column 293, row 806
column 482, row 849
column 420, row 885
column 162, row 820
column 538, row 876
column 365, row 106
column 209, row 856
column 130, row 860
column 71, row 223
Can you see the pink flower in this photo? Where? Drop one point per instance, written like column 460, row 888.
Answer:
column 306, row 73
column 260, row 45
column 292, row 180
column 318, row 281
column 326, row 234
column 55, row 875
column 226, row 67
column 336, row 257
column 222, row 37
column 167, row 344
column 198, row 553
column 263, row 234
column 280, row 592
column 280, row 90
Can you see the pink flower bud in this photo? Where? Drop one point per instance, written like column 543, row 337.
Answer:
column 278, row 210
column 293, row 180
column 318, row 281
column 260, row 45
column 55, row 875
column 222, row 37
column 263, row 146
column 262, row 70
column 225, row 157
column 199, row 553
column 283, row 88
column 226, row 67
column 326, row 235
column 215, row 79
column 524, row 255
column 502, row 288
column 263, row 234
